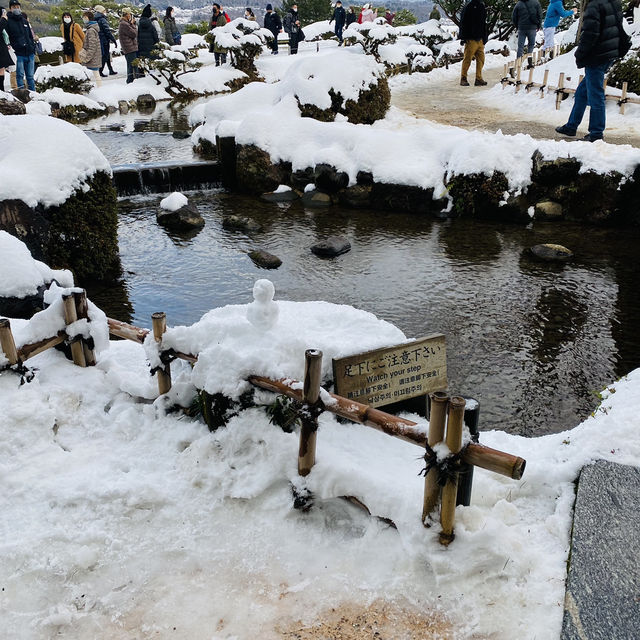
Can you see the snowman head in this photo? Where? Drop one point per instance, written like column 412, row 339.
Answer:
column 263, row 291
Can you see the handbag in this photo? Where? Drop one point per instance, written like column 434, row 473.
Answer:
column 177, row 38
column 39, row 49
column 68, row 48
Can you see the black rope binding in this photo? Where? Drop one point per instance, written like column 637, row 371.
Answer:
column 447, row 468
column 26, row 374
column 166, row 357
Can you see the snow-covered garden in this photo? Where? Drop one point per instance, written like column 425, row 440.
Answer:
column 125, row 516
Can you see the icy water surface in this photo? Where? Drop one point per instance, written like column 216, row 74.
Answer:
column 533, row 342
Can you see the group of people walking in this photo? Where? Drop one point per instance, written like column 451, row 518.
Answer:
column 602, row 40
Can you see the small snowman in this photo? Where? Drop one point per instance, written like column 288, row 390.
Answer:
column 262, row 313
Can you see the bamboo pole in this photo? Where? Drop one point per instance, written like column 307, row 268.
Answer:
column 450, row 490
column 623, row 98
column 70, row 316
column 559, row 90
column 518, row 74
column 477, row 454
column 310, row 397
column 27, row 351
column 7, row 343
column 530, row 80
column 82, row 311
column 437, row 419
column 159, row 324
column 545, row 79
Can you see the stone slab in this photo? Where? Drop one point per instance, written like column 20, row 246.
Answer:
column 602, row 600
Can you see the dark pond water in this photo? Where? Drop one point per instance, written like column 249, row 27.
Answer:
column 534, row 343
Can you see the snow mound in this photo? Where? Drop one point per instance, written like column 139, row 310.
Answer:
column 44, row 160
column 174, row 201
column 68, row 70
column 21, row 275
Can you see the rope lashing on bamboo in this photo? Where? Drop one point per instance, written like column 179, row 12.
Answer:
column 27, row 374
column 447, row 467
column 166, row 357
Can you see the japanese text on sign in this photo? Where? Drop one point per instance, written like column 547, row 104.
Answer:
column 391, row 374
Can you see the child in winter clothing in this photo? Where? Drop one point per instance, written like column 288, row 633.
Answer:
column 555, row 12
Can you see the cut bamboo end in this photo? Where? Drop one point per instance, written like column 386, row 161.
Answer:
column 7, row 343
column 312, row 376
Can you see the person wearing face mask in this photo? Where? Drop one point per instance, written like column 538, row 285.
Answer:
column 171, row 31
column 273, row 23
column 291, row 25
column 91, row 52
column 106, row 39
column 73, row 36
column 22, row 42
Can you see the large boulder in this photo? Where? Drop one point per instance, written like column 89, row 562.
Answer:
column 316, row 199
column 184, row 218
column 547, row 210
column 255, row 173
column 10, row 107
column 399, row 197
column 550, row 173
column 329, row 179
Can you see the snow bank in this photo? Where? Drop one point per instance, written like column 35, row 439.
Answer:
column 68, row 70
column 44, row 160
column 21, row 275
column 51, row 44
column 65, row 99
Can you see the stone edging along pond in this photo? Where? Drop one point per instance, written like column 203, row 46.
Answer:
column 558, row 191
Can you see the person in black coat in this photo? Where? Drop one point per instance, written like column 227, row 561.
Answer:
column 351, row 16
column 600, row 41
column 106, row 38
column 340, row 16
column 22, row 42
column 5, row 58
column 273, row 23
column 473, row 34
column 147, row 34
column 291, row 25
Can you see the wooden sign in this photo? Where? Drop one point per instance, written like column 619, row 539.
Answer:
column 391, row 374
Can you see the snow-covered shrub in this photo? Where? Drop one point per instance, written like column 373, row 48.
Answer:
column 626, row 70
column 244, row 40
column 70, row 77
column 70, row 106
column 371, row 36
column 348, row 84
column 319, row 31
column 170, row 65
column 428, row 33
column 497, row 47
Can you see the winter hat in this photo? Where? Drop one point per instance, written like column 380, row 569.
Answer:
column 269, row 7
column 125, row 11
column 146, row 12
column 14, row 3
column 100, row 8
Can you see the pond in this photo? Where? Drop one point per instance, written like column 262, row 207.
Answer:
column 533, row 342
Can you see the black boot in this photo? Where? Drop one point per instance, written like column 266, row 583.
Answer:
column 2, row 82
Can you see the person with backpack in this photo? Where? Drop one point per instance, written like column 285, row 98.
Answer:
column 340, row 17
column 602, row 40
column 22, row 42
column 473, row 34
column 555, row 12
column 527, row 18
column 291, row 25
column 6, row 60
column 106, row 39
column 73, row 37
column 273, row 23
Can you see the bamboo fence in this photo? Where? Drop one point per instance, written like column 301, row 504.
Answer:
column 515, row 72
column 443, row 409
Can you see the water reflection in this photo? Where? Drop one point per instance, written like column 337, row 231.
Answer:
column 531, row 341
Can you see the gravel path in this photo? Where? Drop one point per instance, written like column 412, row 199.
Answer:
column 444, row 100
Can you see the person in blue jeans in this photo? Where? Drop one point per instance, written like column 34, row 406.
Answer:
column 598, row 47
column 21, row 40
column 527, row 18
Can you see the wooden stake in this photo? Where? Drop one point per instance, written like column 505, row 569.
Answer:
column 450, row 490
column 310, row 397
column 7, row 343
column 82, row 311
column 159, row 324
column 544, row 82
column 29, row 350
column 623, row 97
column 70, row 316
column 437, row 420
column 559, row 92
column 530, row 80
column 518, row 74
